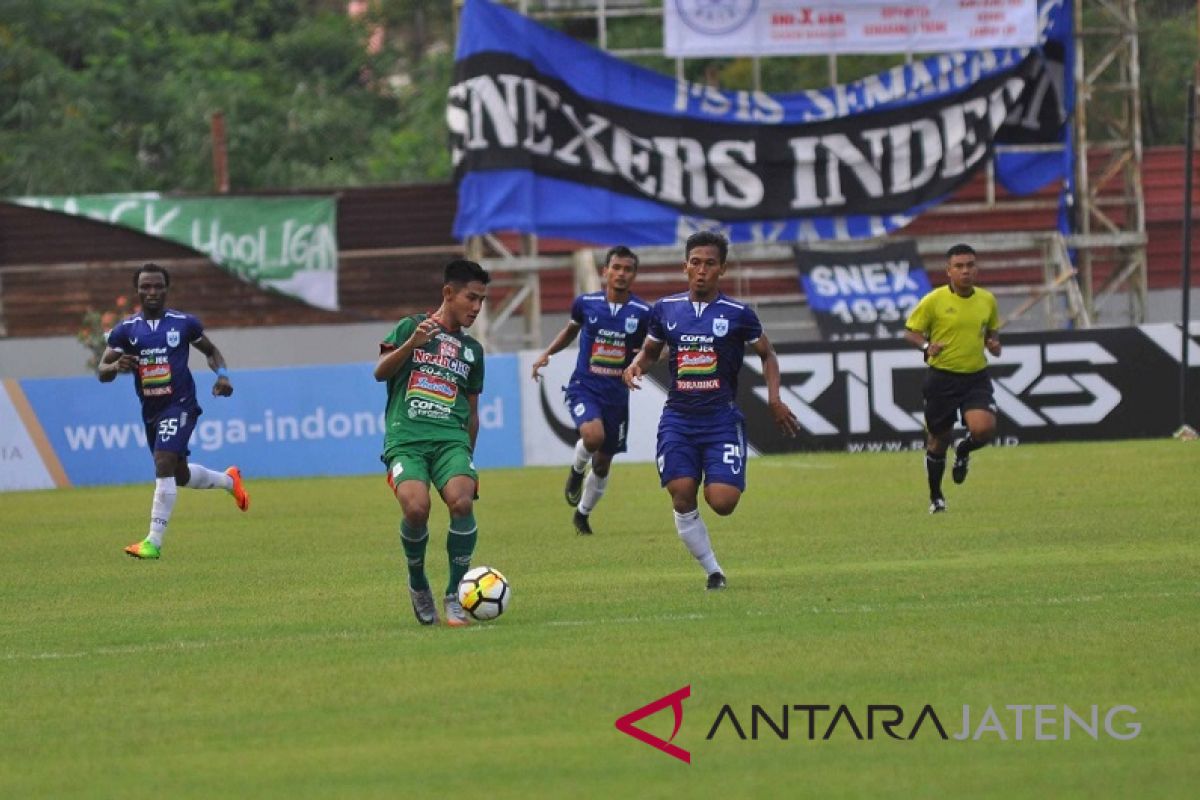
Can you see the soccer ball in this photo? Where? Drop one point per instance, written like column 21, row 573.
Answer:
column 484, row 593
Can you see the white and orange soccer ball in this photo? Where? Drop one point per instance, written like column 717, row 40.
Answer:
column 484, row 593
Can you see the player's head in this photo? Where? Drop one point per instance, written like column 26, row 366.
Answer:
column 704, row 263
column 707, row 239
column 620, row 268
column 151, row 282
column 960, row 267
column 463, row 292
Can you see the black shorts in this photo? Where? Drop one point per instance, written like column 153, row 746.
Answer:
column 948, row 395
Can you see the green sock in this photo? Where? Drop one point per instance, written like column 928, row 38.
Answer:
column 460, row 544
column 414, row 541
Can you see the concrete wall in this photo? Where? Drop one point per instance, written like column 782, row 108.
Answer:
column 253, row 348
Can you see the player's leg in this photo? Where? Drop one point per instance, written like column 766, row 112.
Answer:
column 979, row 415
column 680, row 469
column 724, row 459
column 614, row 424
column 941, row 409
column 408, row 476
column 587, row 415
column 167, row 445
column 454, row 475
column 197, row 476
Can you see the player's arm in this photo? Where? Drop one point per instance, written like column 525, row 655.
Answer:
column 560, row 343
column 651, row 350
column 783, row 415
column 992, row 342
column 473, row 419
column 216, row 362
column 391, row 359
column 113, row 363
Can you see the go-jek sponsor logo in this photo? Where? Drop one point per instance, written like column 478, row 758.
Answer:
column 821, row 722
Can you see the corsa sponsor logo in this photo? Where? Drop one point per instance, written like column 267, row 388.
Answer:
column 820, row 722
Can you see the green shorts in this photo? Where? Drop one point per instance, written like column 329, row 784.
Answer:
column 435, row 462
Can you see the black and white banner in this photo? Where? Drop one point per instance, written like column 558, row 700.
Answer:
column 1100, row 384
column 863, row 294
column 552, row 137
column 1104, row 383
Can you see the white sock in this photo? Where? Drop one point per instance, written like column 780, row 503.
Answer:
column 582, row 457
column 593, row 490
column 695, row 536
column 204, row 478
column 160, row 509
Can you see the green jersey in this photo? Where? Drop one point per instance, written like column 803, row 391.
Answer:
column 427, row 400
column 961, row 323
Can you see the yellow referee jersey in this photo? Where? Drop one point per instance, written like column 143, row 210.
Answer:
column 959, row 323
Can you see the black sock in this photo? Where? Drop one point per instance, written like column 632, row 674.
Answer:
column 935, row 467
column 967, row 446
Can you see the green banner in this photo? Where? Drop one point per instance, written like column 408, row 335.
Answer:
column 288, row 245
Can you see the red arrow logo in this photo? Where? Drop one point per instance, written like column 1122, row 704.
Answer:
column 675, row 701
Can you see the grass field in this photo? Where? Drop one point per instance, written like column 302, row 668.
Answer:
column 274, row 654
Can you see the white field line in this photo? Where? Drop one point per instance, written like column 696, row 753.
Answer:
column 876, row 608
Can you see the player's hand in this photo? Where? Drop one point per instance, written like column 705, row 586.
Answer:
column 222, row 388
column 784, row 418
column 992, row 343
column 425, row 331
column 632, row 376
column 935, row 348
column 127, row 363
column 538, row 366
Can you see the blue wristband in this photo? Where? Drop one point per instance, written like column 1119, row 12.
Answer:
column 222, row 372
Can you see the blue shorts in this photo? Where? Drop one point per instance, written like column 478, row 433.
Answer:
column 171, row 429
column 712, row 449
column 586, row 406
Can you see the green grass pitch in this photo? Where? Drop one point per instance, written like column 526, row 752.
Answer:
column 274, row 654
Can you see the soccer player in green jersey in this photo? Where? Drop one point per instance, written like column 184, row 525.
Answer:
column 953, row 325
column 434, row 374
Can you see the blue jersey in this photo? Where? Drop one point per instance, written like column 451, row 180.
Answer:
column 706, row 344
column 162, row 378
column 610, row 334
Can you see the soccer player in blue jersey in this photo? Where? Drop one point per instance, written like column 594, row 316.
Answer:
column 611, row 326
column 153, row 344
column 701, row 434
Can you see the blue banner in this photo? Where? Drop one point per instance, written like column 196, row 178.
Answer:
column 552, row 137
column 298, row 421
column 863, row 294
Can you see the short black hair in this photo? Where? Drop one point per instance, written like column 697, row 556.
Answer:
column 460, row 272
column 705, row 238
column 960, row 249
column 621, row 251
column 151, row 267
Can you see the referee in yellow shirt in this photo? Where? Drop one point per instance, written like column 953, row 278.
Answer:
column 952, row 325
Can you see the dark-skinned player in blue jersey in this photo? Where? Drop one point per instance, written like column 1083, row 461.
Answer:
column 611, row 325
column 701, row 435
column 154, row 345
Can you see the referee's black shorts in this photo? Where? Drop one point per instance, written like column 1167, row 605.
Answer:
column 949, row 395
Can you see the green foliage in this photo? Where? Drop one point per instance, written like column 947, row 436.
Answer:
column 117, row 95
column 95, row 325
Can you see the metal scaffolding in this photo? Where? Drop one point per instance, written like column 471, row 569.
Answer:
column 1109, row 244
